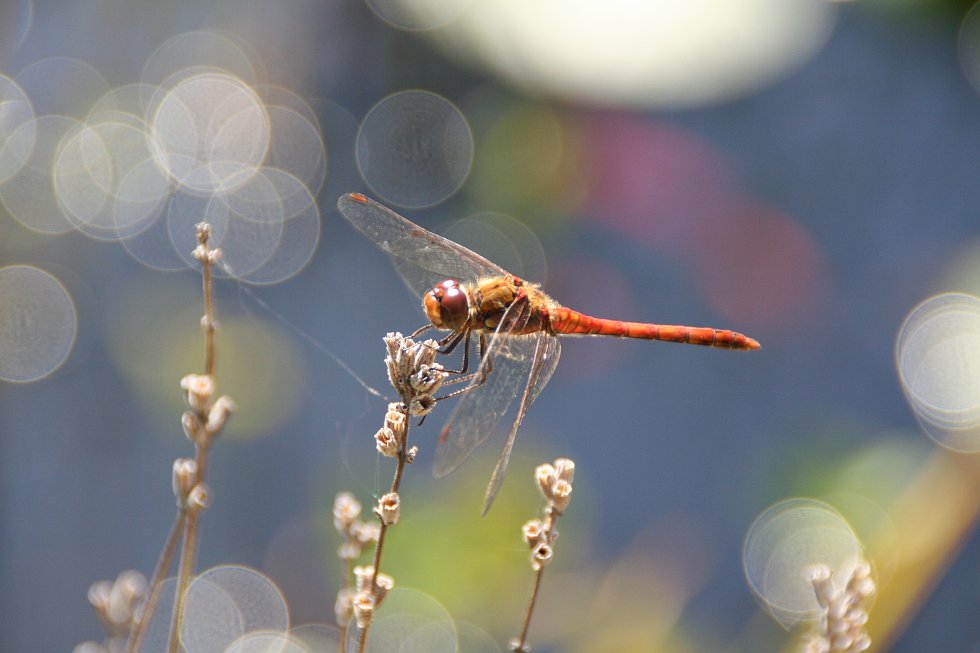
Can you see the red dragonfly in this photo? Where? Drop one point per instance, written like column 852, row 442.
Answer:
column 515, row 323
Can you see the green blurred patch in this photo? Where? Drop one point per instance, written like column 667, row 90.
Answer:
column 477, row 567
column 529, row 159
column 154, row 338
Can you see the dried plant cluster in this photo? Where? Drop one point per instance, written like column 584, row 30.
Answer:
column 416, row 376
column 555, row 483
column 841, row 628
column 202, row 423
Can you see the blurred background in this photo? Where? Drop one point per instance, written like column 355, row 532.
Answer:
column 804, row 173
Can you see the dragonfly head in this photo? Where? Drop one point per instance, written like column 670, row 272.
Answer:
column 447, row 305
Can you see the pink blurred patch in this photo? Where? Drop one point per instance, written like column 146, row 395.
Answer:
column 596, row 288
column 758, row 267
column 654, row 182
column 762, row 271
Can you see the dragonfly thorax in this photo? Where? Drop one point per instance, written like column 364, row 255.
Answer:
column 447, row 305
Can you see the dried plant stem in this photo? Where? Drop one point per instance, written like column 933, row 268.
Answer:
column 188, row 550
column 342, row 641
column 153, row 591
column 208, row 321
column 520, row 644
column 529, row 611
column 188, row 554
column 379, row 548
column 202, row 424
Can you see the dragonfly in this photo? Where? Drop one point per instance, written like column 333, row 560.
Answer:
column 515, row 324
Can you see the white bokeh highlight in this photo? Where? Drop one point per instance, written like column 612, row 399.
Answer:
column 781, row 548
column 38, row 324
column 414, row 149
column 937, row 355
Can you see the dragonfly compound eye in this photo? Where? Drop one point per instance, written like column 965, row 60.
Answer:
column 447, row 305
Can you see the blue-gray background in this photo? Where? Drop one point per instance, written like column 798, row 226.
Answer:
column 863, row 163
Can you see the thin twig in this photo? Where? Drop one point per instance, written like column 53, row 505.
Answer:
column 551, row 518
column 153, row 593
column 188, row 552
column 529, row 611
column 207, row 281
column 378, row 549
column 188, row 555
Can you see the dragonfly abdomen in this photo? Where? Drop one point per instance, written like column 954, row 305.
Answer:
column 566, row 321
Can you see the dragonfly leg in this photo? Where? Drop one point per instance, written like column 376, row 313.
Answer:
column 419, row 331
column 476, row 379
column 450, row 343
column 488, row 366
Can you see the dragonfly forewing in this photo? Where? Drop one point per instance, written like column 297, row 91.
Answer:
column 422, row 258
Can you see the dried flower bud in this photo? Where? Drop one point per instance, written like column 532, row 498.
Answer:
column 857, row 617
column 98, row 595
column 541, row 556
column 862, row 642
column 127, row 592
column 388, row 508
column 363, row 608
column 349, row 550
column 365, row 533
column 116, row 603
column 424, row 353
column 198, row 389
column 865, row 588
column 422, row 405
column 386, row 442
column 817, row 573
column 413, row 372
column 193, row 428
column 219, row 414
column 816, row 645
column 533, row 531
column 410, row 455
column 200, row 253
column 546, row 477
column 389, row 438
column 199, row 497
column 427, row 379
column 515, row 646
column 346, row 509
column 565, row 469
column 343, row 607
column 393, row 345
column 184, row 477
column 202, row 230
column 561, row 495
column 395, row 418
column 362, row 577
column 841, row 626
column 384, row 583
column 555, row 483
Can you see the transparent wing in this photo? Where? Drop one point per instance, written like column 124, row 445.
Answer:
column 480, row 409
column 520, row 364
column 422, row 258
column 543, row 365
